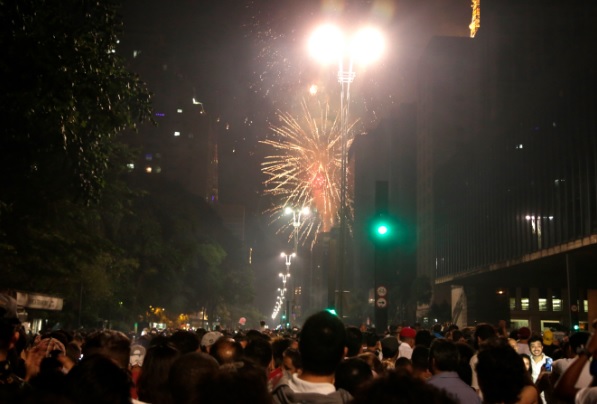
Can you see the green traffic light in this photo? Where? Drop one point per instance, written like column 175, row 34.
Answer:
column 382, row 230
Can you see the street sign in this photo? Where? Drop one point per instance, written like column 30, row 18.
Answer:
column 382, row 291
column 381, row 303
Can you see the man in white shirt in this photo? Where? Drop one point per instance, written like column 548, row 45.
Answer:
column 322, row 344
column 538, row 358
column 407, row 342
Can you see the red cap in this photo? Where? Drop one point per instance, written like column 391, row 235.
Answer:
column 408, row 332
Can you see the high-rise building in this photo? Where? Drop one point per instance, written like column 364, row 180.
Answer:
column 507, row 157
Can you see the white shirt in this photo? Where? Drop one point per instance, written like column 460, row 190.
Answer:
column 585, row 378
column 587, row 395
column 405, row 350
column 536, row 366
column 301, row 386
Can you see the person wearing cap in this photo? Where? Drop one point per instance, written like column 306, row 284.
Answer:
column 550, row 344
column 524, row 333
column 209, row 339
column 407, row 342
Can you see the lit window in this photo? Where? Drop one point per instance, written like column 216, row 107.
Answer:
column 519, row 146
column 148, row 170
column 556, row 304
column 130, row 166
column 179, row 110
column 585, row 306
column 136, row 53
column 176, row 133
column 512, row 303
column 160, row 114
column 158, row 170
column 542, row 304
column 524, row 303
column 148, row 157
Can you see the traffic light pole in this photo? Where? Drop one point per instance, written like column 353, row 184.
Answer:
column 380, row 260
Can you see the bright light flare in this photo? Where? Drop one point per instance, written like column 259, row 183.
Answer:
column 327, row 44
column 367, row 45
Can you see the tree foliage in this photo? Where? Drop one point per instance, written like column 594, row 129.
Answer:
column 67, row 96
column 70, row 225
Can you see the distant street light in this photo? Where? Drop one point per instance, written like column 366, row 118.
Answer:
column 328, row 45
column 288, row 261
column 297, row 214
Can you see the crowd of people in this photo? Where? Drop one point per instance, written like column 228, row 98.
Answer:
column 325, row 361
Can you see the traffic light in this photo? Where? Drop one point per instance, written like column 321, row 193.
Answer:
column 383, row 230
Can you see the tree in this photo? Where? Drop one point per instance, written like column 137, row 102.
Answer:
column 66, row 97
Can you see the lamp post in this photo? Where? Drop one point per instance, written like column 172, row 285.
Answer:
column 327, row 44
column 296, row 221
column 288, row 261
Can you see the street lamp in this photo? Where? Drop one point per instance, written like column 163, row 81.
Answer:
column 288, row 261
column 328, row 45
column 296, row 221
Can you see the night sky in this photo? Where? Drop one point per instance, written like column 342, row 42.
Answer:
column 247, row 60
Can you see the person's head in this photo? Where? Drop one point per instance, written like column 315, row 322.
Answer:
column 443, row 356
column 423, row 338
column 483, row 332
column 371, row 341
column 501, row 372
column 190, row 376
column 547, row 337
column 524, row 333
column 240, row 382
column 420, row 358
column 400, row 387
column 260, row 351
column 208, row 339
column 526, row 359
column 113, row 344
column 354, row 341
column 185, row 341
column 137, row 355
column 578, row 340
column 408, row 335
column 291, row 361
column 152, row 385
column 322, row 343
column 279, row 345
column 97, row 379
column 373, row 361
column 351, row 374
column 536, row 345
column 389, row 347
column 226, row 350
column 404, row 364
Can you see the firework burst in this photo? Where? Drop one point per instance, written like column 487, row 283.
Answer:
column 305, row 169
